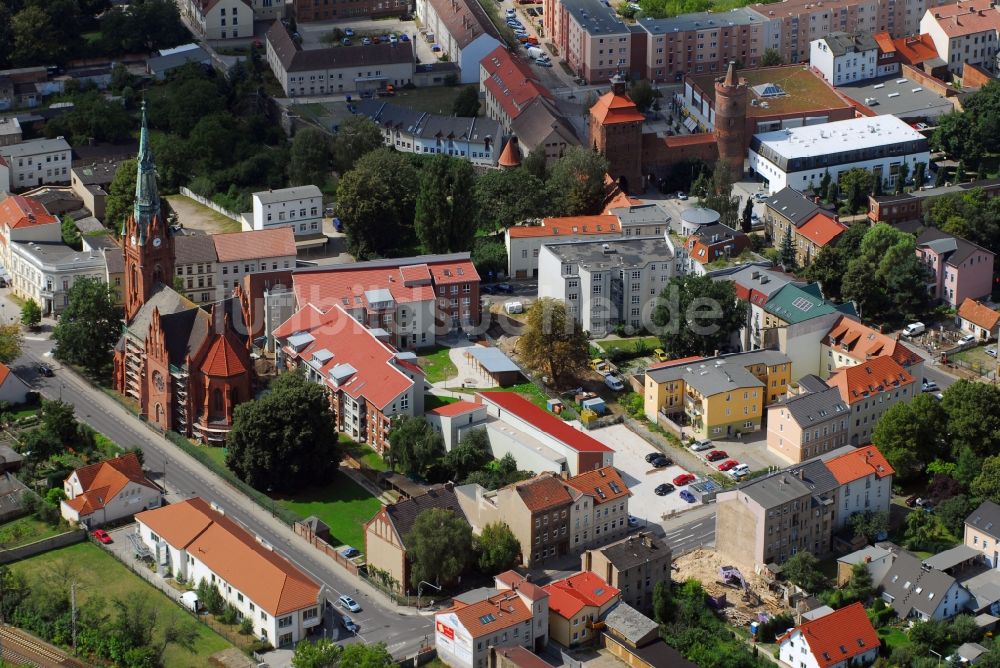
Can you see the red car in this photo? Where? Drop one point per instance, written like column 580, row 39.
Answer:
column 716, row 455
column 683, row 479
column 102, row 535
column 728, row 464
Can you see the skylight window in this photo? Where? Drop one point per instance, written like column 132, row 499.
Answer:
column 487, row 618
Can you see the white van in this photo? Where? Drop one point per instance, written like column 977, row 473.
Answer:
column 914, row 328
column 738, row 472
column 513, row 307
column 614, row 383
column 536, row 52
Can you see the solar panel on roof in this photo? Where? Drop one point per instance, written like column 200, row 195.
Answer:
column 802, row 303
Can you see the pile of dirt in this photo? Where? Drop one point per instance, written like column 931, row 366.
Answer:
column 741, row 607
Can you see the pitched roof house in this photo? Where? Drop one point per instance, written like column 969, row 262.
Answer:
column 576, row 603
column 869, row 389
column 982, row 532
column 915, row 590
column 843, row 637
column 108, row 491
column 979, row 319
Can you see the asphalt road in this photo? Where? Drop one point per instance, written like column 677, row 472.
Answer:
column 185, row 477
column 694, row 534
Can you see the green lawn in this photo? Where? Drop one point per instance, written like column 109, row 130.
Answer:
column 893, row 637
column 100, row 574
column 432, row 401
column 437, row 365
column 364, row 453
column 216, row 454
column 343, row 505
column 977, row 358
column 26, row 530
column 433, row 99
column 628, row 346
column 529, row 391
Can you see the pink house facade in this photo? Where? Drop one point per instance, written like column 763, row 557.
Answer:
column 958, row 268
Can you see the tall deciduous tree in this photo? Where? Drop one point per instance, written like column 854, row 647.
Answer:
column 746, row 222
column 466, row 103
column 36, row 39
column 89, row 326
column 31, row 314
column 973, row 419
column 909, row 435
column 440, row 544
column 719, row 195
column 285, row 440
column 695, row 315
column 361, row 655
column 642, row 94
column 855, row 185
column 446, row 205
column 121, row 195
column 506, row 197
column 376, row 201
column 320, row 654
column 498, row 548
column 414, row 444
column 553, row 342
column 471, row 454
column 986, row 485
column 356, row 136
column 802, row 568
column 310, row 160
column 771, row 58
column 576, row 184
column 886, row 278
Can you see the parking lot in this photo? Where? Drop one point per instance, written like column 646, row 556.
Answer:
column 312, row 33
column 641, row 478
column 750, row 450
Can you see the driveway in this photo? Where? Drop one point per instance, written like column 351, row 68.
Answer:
column 641, row 478
column 751, row 450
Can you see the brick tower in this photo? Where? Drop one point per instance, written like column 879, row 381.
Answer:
column 616, row 132
column 731, row 120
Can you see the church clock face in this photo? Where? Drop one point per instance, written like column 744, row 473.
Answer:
column 156, row 242
column 158, row 380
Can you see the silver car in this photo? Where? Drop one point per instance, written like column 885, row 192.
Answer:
column 703, row 444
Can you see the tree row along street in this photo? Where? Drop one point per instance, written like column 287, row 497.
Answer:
column 184, row 477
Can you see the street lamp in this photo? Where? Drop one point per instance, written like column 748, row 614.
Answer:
column 420, row 590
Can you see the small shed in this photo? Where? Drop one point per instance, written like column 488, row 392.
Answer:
column 493, row 363
column 595, row 404
column 10, row 460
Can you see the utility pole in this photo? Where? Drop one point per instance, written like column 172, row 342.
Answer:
column 72, row 598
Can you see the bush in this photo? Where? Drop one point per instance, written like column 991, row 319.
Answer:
column 633, row 404
column 246, row 626
column 229, row 615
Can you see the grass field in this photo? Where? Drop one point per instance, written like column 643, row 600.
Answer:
column 437, row 365
column 100, row 574
column 364, row 453
column 343, row 505
column 893, row 637
column 313, row 110
column 434, row 99
column 432, row 401
column 628, row 346
column 26, row 530
column 216, row 454
column 977, row 357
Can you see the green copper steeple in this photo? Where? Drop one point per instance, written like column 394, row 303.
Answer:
column 147, row 199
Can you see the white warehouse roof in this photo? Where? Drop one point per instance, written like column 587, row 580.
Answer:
column 855, row 133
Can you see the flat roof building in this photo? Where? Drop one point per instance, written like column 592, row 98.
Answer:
column 901, row 97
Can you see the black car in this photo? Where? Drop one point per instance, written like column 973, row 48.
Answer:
column 664, row 489
column 653, row 455
column 45, row 370
column 661, row 462
column 486, row 290
column 504, row 288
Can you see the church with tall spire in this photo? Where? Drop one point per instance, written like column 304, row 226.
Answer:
column 187, row 366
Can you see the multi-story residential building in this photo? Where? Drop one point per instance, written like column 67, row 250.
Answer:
column 415, row 299
column 576, row 606
column 915, row 590
column 34, row 163
column 325, row 10
column 711, row 245
column 910, row 207
column 524, row 242
column 10, row 131
column 869, row 389
column 525, row 425
column 300, row 208
column 712, row 397
column 888, row 55
column 606, row 283
column 478, row 140
column 196, row 267
column 591, row 38
column 982, row 532
column 91, row 183
column 108, row 491
column 464, row 31
column 808, row 424
column 340, row 69
column 799, row 156
column 640, row 219
column 818, row 232
column 387, row 532
column 508, row 85
column 600, row 507
column 542, row 127
column 979, row 319
column 369, row 381
column 219, row 19
column 786, row 209
column 956, row 267
column 197, row 541
column 25, row 219
column 844, row 58
column 633, row 565
column 769, row 519
column 865, row 480
column 537, row 511
column 754, row 285
column 850, row 342
column 802, row 21
column 44, row 271
column 465, row 633
column 964, row 33
column 843, row 637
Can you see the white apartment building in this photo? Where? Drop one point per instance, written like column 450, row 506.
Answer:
column 45, row 271
column 865, row 479
column 843, row 58
column 607, row 283
column 464, row 31
column 300, row 208
column 524, row 242
column 796, row 157
column 965, row 32
column 34, row 163
column 599, row 514
column 197, row 541
column 220, row 19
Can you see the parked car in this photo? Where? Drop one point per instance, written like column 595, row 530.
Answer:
column 664, row 489
column 991, row 351
column 660, row 355
column 716, row 455
column 929, row 386
column 633, row 521
column 348, row 603
column 702, row 444
column 349, row 624
column 486, row 289
column 682, row 195
column 102, row 536
column 612, row 381
column 346, row 41
column 687, row 496
column 662, row 462
column 349, row 552
column 366, row 41
column 683, row 479
column 967, row 339
column 349, row 32
column 504, row 288
column 45, row 370
column 739, row 472
column 650, row 456
column 760, row 197
column 728, row 464
column 404, row 37
column 914, row 328
column 911, row 501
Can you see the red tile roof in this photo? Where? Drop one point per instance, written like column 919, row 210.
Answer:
column 511, row 154
column 17, row 211
column 834, row 638
column 966, row 18
column 879, row 374
column 4, row 372
column 860, row 342
column 612, row 108
column 978, row 314
column 568, row 597
column 484, row 618
column 621, row 201
column 521, row 657
column 604, row 484
column 544, row 421
column 462, row 271
column 859, row 464
column 542, row 492
column 885, row 43
column 511, row 81
column 517, row 582
column 568, row 226
column 267, row 578
column 369, row 367
column 456, row 408
column 915, row 50
column 821, row 229
column 104, row 480
column 255, row 244
column 224, row 358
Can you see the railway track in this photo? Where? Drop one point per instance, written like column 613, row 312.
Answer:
column 21, row 648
